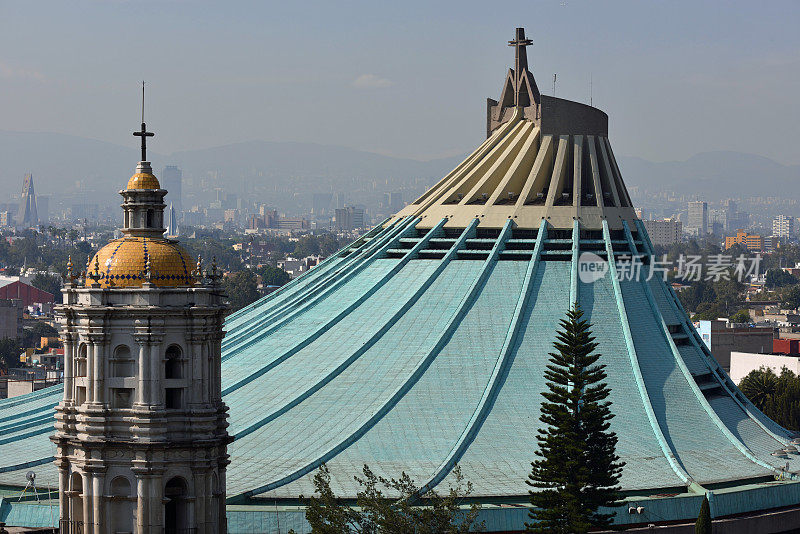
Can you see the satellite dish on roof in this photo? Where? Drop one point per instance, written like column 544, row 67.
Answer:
column 30, row 476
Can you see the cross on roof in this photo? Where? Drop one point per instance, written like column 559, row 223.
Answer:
column 144, row 134
column 520, row 59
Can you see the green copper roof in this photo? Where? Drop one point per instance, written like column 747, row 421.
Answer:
column 413, row 350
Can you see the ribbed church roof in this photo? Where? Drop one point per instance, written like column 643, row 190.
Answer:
column 423, row 345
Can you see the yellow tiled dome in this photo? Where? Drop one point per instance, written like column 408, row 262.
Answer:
column 122, row 263
column 143, row 180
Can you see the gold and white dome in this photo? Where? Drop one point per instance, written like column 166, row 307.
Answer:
column 142, row 254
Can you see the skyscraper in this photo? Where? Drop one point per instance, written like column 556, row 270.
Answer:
column 172, row 178
column 172, row 222
column 698, row 218
column 43, row 208
column 349, row 218
column 27, row 215
column 321, row 203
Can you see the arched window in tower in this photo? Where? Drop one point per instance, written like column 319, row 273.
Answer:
column 127, row 219
column 122, row 505
column 173, row 365
column 80, row 361
column 176, row 517
column 76, row 503
column 150, row 218
column 122, row 364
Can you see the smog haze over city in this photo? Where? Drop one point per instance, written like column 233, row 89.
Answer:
column 281, row 100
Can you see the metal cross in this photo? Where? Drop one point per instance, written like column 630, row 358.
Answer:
column 144, row 134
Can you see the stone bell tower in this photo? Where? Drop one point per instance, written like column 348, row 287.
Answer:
column 141, row 433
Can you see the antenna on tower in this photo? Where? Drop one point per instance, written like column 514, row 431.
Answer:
column 590, row 88
column 554, row 84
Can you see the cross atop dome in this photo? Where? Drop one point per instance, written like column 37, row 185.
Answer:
column 144, row 134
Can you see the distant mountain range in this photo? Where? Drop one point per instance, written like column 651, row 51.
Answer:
column 58, row 161
column 715, row 176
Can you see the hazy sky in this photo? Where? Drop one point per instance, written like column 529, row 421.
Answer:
column 403, row 78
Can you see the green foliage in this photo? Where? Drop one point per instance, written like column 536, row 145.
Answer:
column 329, row 243
column 779, row 278
column 219, row 249
column 703, row 524
column 241, row 288
column 308, row 245
column 778, row 396
column 696, row 294
column 40, row 329
column 791, row 298
column 49, row 283
column 315, row 244
column 9, row 353
column 577, row 469
column 375, row 513
column 712, row 299
column 47, row 250
column 741, row 316
column 272, row 276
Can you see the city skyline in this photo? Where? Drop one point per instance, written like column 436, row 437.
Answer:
column 220, row 75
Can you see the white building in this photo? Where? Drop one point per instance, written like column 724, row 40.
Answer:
column 742, row 363
column 141, row 439
column 783, row 226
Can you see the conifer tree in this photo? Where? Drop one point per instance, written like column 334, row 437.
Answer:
column 703, row 524
column 577, row 469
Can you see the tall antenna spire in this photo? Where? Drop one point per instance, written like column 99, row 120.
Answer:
column 144, row 134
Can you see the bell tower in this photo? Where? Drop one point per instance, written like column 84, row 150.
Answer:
column 141, row 432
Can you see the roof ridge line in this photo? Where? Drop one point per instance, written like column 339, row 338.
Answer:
column 398, row 393
column 491, row 389
column 310, row 297
column 338, row 317
column 668, row 451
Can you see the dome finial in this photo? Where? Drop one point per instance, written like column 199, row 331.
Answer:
column 70, row 277
column 94, row 276
column 144, row 134
column 213, row 274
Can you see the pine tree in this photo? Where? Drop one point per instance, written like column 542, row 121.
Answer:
column 703, row 524
column 577, row 469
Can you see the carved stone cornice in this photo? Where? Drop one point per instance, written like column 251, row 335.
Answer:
column 97, row 338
